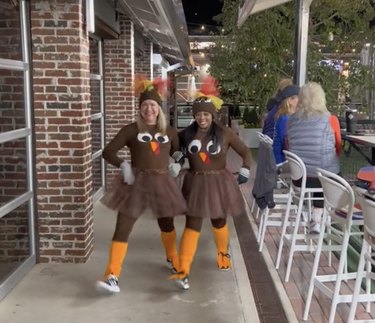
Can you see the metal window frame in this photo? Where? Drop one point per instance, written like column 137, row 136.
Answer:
column 28, row 197
column 99, row 116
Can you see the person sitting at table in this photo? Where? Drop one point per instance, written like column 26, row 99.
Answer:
column 287, row 107
column 314, row 135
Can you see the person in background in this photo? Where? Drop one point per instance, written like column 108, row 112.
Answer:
column 272, row 107
column 146, row 183
column 314, row 135
column 209, row 187
column 287, row 107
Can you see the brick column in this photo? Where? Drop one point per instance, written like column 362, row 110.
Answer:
column 119, row 76
column 143, row 61
column 62, row 127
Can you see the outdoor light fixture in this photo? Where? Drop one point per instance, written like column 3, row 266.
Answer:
column 90, row 16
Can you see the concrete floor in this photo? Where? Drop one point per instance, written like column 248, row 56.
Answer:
column 65, row 292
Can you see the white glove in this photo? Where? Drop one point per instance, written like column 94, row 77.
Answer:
column 178, row 157
column 174, row 169
column 243, row 175
column 127, row 173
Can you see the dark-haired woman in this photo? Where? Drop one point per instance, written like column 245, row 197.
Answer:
column 209, row 188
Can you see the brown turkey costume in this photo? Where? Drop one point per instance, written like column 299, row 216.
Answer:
column 153, row 186
column 211, row 191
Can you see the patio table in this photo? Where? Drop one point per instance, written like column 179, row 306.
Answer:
column 366, row 140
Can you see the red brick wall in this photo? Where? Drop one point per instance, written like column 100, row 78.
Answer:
column 119, row 76
column 143, row 61
column 62, row 128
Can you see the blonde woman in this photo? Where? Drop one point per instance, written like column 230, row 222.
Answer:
column 145, row 183
column 287, row 107
column 273, row 105
column 314, row 135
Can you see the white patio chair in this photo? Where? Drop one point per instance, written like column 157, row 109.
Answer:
column 271, row 217
column 338, row 219
column 299, row 195
column 366, row 259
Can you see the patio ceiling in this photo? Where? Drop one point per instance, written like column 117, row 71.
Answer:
column 163, row 22
column 253, row 6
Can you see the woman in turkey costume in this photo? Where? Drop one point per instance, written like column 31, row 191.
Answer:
column 210, row 189
column 146, row 183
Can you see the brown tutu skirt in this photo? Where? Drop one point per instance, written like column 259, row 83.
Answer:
column 157, row 191
column 213, row 194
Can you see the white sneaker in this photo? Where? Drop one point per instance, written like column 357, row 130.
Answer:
column 314, row 227
column 183, row 283
column 109, row 285
column 171, row 267
column 305, row 216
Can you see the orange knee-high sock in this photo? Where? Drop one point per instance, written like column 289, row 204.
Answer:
column 117, row 253
column 221, row 238
column 188, row 247
column 169, row 242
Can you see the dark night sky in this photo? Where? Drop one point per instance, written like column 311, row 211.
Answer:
column 201, row 11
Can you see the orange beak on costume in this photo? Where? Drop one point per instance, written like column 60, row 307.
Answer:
column 205, row 158
column 155, row 147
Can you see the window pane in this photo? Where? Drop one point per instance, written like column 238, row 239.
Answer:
column 96, row 135
column 10, row 31
column 13, row 171
column 97, row 173
column 94, row 56
column 95, row 96
column 14, row 240
column 12, row 111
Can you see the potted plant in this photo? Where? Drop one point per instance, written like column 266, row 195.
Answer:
column 235, row 117
column 251, row 123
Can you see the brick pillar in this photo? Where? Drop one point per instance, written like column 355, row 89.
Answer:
column 143, row 61
column 62, row 128
column 119, row 76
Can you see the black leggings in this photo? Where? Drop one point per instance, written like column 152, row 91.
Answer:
column 195, row 223
column 124, row 226
column 312, row 182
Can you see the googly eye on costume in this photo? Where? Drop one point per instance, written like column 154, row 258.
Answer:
column 195, row 146
column 144, row 137
column 213, row 150
column 161, row 138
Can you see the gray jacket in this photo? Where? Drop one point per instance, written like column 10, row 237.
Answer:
column 266, row 176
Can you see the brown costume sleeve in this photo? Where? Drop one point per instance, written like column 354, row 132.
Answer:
column 239, row 147
column 118, row 142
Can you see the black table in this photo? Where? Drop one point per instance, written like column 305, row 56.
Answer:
column 366, row 140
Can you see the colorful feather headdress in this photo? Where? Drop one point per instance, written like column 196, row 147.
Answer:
column 206, row 98
column 147, row 89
